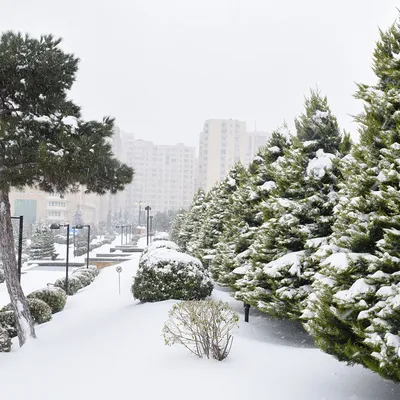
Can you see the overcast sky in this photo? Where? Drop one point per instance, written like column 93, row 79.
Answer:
column 162, row 67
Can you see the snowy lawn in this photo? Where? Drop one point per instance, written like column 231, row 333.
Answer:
column 108, row 346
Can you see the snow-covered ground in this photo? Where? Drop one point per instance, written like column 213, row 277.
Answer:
column 34, row 278
column 108, row 346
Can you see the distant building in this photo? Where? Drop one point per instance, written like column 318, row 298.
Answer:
column 256, row 139
column 164, row 176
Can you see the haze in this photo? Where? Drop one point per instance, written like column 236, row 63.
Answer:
column 163, row 67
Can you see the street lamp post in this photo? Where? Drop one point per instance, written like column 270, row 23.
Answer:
column 140, row 212
column 151, row 228
column 148, row 208
column 58, row 226
column 88, row 241
column 122, row 232
column 20, row 232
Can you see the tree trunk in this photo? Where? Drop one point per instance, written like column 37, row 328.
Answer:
column 23, row 319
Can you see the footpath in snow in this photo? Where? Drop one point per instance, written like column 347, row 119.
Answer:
column 108, row 346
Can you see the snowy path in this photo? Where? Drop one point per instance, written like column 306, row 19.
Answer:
column 107, row 346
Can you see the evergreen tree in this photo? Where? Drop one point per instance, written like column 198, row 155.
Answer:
column 42, row 243
column 355, row 312
column 177, row 225
column 298, row 215
column 44, row 142
column 77, row 218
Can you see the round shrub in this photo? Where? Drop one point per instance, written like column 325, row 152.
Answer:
column 5, row 340
column 2, row 277
column 161, row 236
column 85, row 279
column 40, row 311
column 165, row 274
column 93, row 269
column 7, row 320
column 53, row 296
column 88, row 274
column 74, row 284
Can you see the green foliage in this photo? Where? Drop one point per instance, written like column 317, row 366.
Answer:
column 5, row 340
column 165, row 274
column 7, row 320
column 40, row 311
column 54, row 297
column 45, row 143
column 74, row 284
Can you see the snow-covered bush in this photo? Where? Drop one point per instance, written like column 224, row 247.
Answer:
column 2, row 277
column 88, row 274
column 40, row 311
column 7, row 320
column 93, row 269
column 5, row 340
column 203, row 327
column 85, row 279
column 53, row 296
column 74, row 284
column 167, row 274
column 161, row 236
column 166, row 244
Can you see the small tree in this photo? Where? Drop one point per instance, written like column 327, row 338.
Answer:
column 42, row 243
column 77, row 218
column 44, row 142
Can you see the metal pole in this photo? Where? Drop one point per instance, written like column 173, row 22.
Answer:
column 119, row 283
column 67, row 260
column 148, row 208
column 151, row 228
column 140, row 211
column 126, row 234
column 246, row 312
column 122, row 233
column 21, row 229
column 88, row 246
column 74, row 243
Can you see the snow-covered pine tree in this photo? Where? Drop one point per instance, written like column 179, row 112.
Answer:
column 355, row 312
column 233, row 253
column 42, row 245
column 44, row 142
column 298, row 215
column 177, row 225
column 77, row 218
column 192, row 222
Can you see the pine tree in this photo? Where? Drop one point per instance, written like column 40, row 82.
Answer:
column 42, row 243
column 44, row 142
column 177, row 225
column 298, row 215
column 358, row 289
column 77, row 218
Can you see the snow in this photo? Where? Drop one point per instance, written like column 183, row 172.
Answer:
column 318, row 115
column 274, row 149
column 318, row 165
column 292, row 259
column 268, row 186
column 108, row 346
column 357, row 288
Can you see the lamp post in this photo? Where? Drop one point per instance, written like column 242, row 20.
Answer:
column 151, row 228
column 140, row 212
column 122, row 232
column 148, row 208
column 20, row 232
column 58, row 226
column 88, row 241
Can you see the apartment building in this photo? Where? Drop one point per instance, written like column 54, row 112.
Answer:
column 224, row 142
column 164, row 176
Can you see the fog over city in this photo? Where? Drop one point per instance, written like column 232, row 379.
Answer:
column 163, row 67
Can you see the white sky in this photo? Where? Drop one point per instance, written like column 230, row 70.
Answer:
column 162, row 67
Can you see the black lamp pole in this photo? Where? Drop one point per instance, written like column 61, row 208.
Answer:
column 151, row 228
column 20, row 233
column 148, row 208
column 140, row 212
column 88, row 241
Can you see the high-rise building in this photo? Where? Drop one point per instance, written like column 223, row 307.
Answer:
column 164, row 176
column 224, row 142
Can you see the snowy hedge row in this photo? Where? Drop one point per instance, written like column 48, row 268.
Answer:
column 310, row 230
column 79, row 279
column 165, row 273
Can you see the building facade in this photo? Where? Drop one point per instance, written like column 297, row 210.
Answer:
column 224, row 142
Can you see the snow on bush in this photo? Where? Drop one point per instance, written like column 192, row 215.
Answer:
column 2, row 277
column 203, row 327
column 92, row 269
column 161, row 236
column 40, row 311
column 5, row 340
column 167, row 274
column 53, row 296
column 85, row 279
column 167, row 244
column 74, row 284
column 90, row 275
